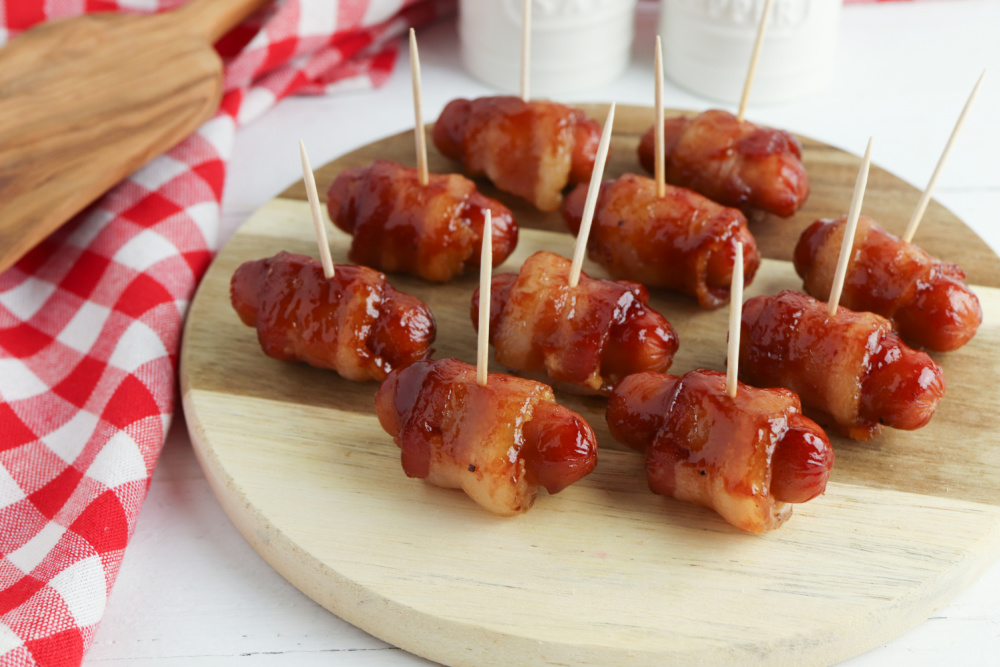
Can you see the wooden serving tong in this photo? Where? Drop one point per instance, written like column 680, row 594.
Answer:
column 86, row 101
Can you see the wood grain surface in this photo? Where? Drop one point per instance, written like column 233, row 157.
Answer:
column 832, row 172
column 604, row 572
column 86, row 101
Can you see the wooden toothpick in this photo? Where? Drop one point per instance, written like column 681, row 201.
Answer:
column 911, row 228
column 588, row 208
column 735, row 322
column 317, row 215
column 418, row 114
column 660, row 167
column 761, row 29
column 852, row 227
column 526, row 51
column 485, row 282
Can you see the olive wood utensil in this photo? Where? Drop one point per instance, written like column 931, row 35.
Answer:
column 88, row 100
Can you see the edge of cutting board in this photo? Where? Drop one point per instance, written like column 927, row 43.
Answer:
column 596, row 574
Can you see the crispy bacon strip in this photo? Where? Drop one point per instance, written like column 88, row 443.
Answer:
column 498, row 443
column 733, row 162
column 681, row 241
column 927, row 300
column 586, row 337
column 433, row 231
column 746, row 458
column 531, row 149
column 356, row 323
column 851, row 371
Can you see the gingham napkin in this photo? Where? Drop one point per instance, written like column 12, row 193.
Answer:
column 90, row 321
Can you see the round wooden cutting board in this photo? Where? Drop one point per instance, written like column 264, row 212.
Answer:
column 604, row 572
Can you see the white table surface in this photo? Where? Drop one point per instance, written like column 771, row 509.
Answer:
column 191, row 591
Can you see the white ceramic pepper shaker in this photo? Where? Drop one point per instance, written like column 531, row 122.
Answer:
column 575, row 44
column 707, row 46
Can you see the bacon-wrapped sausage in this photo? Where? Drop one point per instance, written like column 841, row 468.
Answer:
column 926, row 299
column 585, row 337
column 851, row 370
column 498, row 443
column 354, row 323
column 746, row 458
column 733, row 162
column 531, row 149
column 681, row 241
column 433, row 231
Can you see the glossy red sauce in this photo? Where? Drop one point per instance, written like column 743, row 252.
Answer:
column 433, row 231
column 531, row 149
column 944, row 315
column 850, row 371
column 354, row 323
column 589, row 336
column 735, row 163
column 764, row 142
column 586, row 139
column 741, row 456
column 901, row 389
column 927, row 300
column 560, row 447
column 802, row 461
column 498, row 442
column 682, row 241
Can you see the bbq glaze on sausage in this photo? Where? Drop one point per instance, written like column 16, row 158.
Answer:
column 433, row 231
column 586, row 337
column 498, row 442
column 927, row 300
column 851, row 371
column 530, row 149
column 355, row 323
column 747, row 457
column 681, row 241
column 733, row 162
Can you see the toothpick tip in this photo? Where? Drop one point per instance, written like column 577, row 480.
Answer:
column 314, row 208
column 591, row 202
column 925, row 198
column 735, row 323
column 847, row 244
column 485, row 282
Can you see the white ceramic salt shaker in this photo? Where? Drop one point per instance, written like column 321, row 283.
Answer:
column 707, row 46
column 575, row 44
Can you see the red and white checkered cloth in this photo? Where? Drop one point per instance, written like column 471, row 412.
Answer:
column 90, row 320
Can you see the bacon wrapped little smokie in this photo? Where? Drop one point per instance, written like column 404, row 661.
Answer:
column 498, row 442
column 747, row 457
column 733, row 162
column 681, row 241
column 433, row 231
column 851, row 371
column 927, row 299
column 530, row 149
column 355, row 323
column 586, row 337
